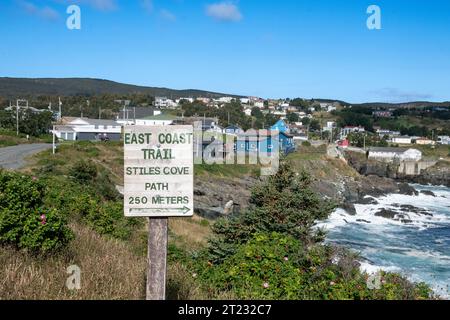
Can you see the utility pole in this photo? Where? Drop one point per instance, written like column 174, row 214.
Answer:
column 54, row 146
column 60, row 108
column 17, row 117
column 17, row 113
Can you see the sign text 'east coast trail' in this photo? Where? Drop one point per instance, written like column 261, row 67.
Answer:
column 159, row 164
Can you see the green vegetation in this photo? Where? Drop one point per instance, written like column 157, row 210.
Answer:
column 26, row 221
column 10, row 138
column 33, row 124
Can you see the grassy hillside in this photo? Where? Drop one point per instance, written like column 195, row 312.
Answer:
column 12, row 87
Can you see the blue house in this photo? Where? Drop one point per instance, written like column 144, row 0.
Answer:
column 265, row 144
column 280, row 126
column 233, row 129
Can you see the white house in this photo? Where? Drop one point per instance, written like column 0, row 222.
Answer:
column 351, row 129
column 163, row 102
column 402, row 140
column 444, row 140
column 204, row 100
column 391, row 154
column 245, row 100
column 190, row 100
column 328, row 107
column 386, row 132
column 425, row 141
column 259, row 104
column 248, row 111
column 86, row 129
column 225, row 99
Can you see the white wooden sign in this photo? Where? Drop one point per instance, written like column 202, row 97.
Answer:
column 159, row 171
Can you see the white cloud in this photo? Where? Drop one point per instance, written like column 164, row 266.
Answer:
column 41, row 12
column 224, row 11
column 167, row 15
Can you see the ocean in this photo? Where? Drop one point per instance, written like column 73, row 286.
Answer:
column 419, row 249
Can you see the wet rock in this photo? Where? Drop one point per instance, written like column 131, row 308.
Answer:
column 349, row 207
column 428, row 193
column 362, row 220
column 386, row 213
column 368, row 200
column 405, row 188
column 412, row 209
column 209, row 213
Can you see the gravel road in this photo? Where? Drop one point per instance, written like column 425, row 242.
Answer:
column 14, row 157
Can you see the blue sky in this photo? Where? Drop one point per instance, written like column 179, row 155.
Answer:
column 277, row 49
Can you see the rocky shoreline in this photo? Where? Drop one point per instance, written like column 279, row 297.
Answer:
column 216, row 197
column 438, row 175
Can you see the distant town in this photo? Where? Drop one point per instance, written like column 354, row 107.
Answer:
column 294, row 121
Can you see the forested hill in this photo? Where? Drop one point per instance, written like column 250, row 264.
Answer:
column 14, row 87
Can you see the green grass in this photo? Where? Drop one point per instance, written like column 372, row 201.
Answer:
column 10, row 138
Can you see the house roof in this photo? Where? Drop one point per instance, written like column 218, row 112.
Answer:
column 64, row 128
column 92, row 122
column 234, row 127
column 160, row 117
column 101, row 122
column 391, row 150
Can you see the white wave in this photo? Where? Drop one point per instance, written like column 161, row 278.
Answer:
column 372, row 269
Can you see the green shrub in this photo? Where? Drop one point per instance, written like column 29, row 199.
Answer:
column 24, row 219
column 277, row 266
column 306, row 144
column 83, row 171
column 108, row 218
column 284, row 203
column 263, row 268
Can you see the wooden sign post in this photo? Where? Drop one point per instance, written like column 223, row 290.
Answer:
column 159, row 183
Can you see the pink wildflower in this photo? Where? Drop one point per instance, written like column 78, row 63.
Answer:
column 266, row 285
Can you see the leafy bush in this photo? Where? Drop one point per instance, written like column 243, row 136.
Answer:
column 84, row 202
column 277, row 266
column 83, row 171
column 24, row 219
column 306, row 144
column 108, row 218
